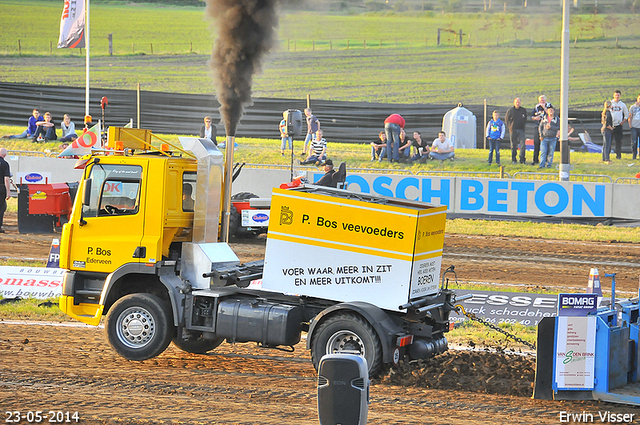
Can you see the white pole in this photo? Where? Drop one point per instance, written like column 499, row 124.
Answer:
column 564, row 96
column 87, row 44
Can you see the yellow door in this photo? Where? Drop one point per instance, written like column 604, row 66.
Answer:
column 109, row 232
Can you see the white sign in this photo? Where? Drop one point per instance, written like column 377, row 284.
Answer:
column 30, row 282
column 575, row 353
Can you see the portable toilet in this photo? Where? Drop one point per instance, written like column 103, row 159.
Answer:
column 459, row 124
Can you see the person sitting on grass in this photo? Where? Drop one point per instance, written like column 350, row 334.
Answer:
column 68, row 129
column 31, row 127
column 421, row 148
column 379, row 147
column 46, row 130
column 442, row 148
column 318, row 152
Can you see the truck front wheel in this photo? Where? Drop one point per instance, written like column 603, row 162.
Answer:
column 346, row 333
column 139, row 326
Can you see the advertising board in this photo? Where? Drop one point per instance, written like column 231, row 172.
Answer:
column 341, row 248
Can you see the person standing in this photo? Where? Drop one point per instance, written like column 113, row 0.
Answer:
column 209, row 131
column 495, row 134
column 284, row 134
column 313, row 125
column 516, row 119
column 619, row 114
column 5, row 188
column 634, row 123
column 393, row 124
column 538, row 113
column 607, row 131
column 550, row 133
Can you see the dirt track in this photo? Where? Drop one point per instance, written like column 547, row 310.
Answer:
column 73, row 368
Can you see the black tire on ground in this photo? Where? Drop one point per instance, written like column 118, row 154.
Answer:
column 350, row 334
column 139, row 326
column 240, row 231
column 197, row 346
column 234, row 221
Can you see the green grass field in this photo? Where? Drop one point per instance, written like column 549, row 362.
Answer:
column 502, row 55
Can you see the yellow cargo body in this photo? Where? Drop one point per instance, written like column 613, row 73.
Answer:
column 335, row 246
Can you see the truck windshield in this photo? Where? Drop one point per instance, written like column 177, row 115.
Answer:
column 115, row 190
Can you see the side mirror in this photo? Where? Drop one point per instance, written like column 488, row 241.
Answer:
column 86, row 194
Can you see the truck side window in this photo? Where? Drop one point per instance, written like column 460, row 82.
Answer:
column 188, row 191
column 115, row 190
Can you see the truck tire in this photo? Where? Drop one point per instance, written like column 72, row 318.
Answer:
column 234, row 221
column 240, row 231
column 243, row 196
column 197, row 346
column 139, row 326
column 349, row 334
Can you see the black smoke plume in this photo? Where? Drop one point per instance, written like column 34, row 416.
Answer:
column 246, row 30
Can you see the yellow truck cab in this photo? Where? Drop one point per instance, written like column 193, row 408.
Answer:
column 141, row 248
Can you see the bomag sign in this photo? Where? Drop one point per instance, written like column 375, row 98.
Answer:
column 330, row 246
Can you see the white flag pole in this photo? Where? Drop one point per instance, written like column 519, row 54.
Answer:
column 87, row 44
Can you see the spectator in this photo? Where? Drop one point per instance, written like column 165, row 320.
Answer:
column 379, row 147
column 5, row 188
column 392, row 126
column 607, row 131
column 538, row 113
column 404, row 151
column 31, row 127
column 313, row 125
column 46, row 130
column 68, row 129
column 619, row 113
column 441, row 148
column 317, row 150
column 550, row 132
column 327, row 179
column 634, row 124
column 495, row 134
column 516, row 120
column 284, row 134
column 209, row 131
column 421, row 148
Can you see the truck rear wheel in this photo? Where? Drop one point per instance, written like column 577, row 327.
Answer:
column 197, row 345
column 346, row 333
column 139, row 326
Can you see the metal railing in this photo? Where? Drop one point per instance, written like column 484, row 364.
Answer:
column 27, row 153
column 480, row 174
column 597, row 178
column 627, row 180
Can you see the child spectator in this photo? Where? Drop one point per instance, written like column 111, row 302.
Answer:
column 495, row 134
